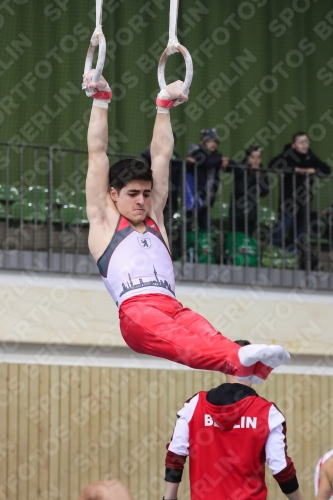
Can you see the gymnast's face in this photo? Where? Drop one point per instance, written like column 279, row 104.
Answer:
column 133, row 200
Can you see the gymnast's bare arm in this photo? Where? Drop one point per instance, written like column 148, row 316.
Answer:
column 161, row 150
column 101, row 211
column 325, row 489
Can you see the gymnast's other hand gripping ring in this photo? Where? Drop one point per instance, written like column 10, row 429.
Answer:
column 172, row 47
column 98, row 38
column 188, row 63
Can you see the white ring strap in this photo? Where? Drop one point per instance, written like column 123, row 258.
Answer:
column 173, row 21
column 99, row 6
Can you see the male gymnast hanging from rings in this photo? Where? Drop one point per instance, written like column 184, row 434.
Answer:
column 128, row 240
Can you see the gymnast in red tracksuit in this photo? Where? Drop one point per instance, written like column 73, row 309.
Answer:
column 229, row 433
column 129, row 242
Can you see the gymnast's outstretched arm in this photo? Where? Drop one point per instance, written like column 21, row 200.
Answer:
column 101, row 211
column 97, row 181
column 161, row 151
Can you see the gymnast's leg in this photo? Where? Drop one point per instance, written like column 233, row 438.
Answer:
column 159, row 326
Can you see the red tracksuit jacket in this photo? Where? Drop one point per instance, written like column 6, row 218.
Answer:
column 228, row 445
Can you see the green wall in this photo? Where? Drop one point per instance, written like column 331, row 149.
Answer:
column 281, row 47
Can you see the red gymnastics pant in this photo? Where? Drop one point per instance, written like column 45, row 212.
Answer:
column 159, row 325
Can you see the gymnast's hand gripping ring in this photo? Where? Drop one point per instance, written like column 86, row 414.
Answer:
column 188, row 63
column 98, row 38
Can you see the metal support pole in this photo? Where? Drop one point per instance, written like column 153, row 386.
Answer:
column 183, row 220
column 50, row 205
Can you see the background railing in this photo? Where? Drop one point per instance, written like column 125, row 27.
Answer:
column 226, row 233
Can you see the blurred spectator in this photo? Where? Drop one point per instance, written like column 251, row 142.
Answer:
column 324, row 226
column 250, row 183
column 209, row 161
column 298, row 165
column 175, row 176
column 105, row 490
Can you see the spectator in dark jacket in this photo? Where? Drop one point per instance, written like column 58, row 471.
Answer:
column 298, row 165
column 250, row 183
column 207, row 161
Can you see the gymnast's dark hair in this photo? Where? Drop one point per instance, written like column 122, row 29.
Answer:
column 130, row 169
column 242, row 342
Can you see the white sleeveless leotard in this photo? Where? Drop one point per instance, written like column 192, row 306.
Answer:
column 135, row 263
column 317, row 472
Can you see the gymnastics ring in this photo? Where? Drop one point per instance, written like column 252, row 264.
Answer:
column 188, row 63
column 97, row 38
column 100, row 38
column 172, row 47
